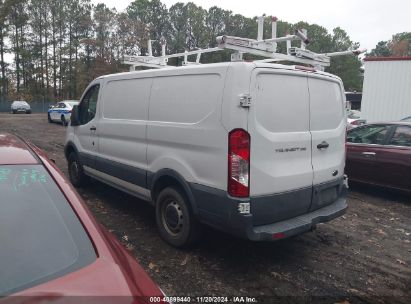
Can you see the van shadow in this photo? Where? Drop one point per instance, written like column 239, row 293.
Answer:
column 116, row 207
column 232, row 262
column 123, row 209
column 240, row 254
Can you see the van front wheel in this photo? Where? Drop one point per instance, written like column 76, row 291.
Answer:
column 175, row 220
column 75, row 169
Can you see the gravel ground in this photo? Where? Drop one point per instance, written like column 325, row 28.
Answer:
column 362, row 257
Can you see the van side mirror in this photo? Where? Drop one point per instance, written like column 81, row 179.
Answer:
column 74, row 119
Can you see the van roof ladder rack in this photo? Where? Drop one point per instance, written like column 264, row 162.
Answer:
column 260, row 46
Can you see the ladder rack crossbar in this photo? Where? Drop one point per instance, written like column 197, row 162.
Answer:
column 195, row 52
column 279, row 39
column 260, row 47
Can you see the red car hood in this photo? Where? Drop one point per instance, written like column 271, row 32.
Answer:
column 101, row 278
column 99, row 282
column 114, row 273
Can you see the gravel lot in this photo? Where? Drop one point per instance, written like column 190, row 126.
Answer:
column 362, row 257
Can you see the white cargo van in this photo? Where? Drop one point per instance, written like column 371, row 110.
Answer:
column 253, row 149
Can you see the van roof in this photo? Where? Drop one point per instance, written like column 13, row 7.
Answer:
column 250, row 64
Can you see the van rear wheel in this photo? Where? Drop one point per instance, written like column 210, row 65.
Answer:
column 175, row 220
column 76, row 172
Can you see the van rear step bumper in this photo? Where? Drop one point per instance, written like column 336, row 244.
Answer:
column 299, row 224
column 215, row 208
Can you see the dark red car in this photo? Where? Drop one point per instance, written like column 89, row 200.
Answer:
column 380, row 154
column 51, row 246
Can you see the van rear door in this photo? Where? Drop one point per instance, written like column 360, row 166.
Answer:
column 281, row 173
column 327, row 127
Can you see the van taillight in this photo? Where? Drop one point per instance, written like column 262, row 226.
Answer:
column 238, row 163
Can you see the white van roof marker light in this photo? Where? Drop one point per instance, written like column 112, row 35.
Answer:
column 260, row 47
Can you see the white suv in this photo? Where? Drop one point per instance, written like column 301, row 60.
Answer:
column 20, row 106
column 253, row 149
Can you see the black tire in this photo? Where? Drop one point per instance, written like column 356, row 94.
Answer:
column 49, row 118
column 14, row 111
column 63, row 120
column 28, row 112
column 76, row 172
column 175, row 220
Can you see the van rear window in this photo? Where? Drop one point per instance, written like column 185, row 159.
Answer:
column 41, row 238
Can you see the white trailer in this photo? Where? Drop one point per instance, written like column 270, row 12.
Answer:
column 387, row 89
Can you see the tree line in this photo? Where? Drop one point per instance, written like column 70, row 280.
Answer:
column 59, row 46
column 399, row 46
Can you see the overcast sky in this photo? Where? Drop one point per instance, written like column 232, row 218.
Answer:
column 366, row 21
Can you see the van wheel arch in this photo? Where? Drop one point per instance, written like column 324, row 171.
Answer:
column 170, row 178
column 68, row 149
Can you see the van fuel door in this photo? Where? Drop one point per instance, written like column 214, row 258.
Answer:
column 245, row 100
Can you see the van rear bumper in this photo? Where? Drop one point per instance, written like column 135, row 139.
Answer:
column 299, row 224
column 224, row 215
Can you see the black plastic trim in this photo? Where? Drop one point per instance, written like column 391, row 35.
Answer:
column 153, row 178
column 127, row 173
column 217, row 209
column 87, row 160
column 68, row 145
column 276, row 207
column 300, row 224
column 326, row 193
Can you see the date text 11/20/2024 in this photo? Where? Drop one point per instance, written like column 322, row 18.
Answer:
column 207, row 299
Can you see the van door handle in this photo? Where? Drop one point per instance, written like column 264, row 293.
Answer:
column 93, row 128
column 368, row 154
column 323, row 145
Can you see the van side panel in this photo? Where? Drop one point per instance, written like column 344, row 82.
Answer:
column 233, row 116
column 122, row 129
column 184, row 131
